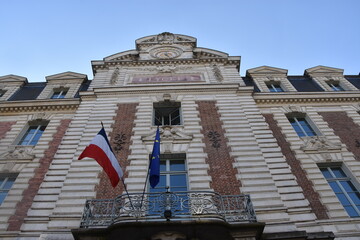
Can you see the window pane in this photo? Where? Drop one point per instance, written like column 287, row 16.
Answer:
column 326, row 173
column 338, row 172
column 178, row 189
column 9, row 183
column 344, row 201
column 178, row 180
column 335, row 187
column 162, row 166
column 177, row 165
column 355, row 197
column 351, row 211
column 166, row 120
column 2, row 196
column 348, row 186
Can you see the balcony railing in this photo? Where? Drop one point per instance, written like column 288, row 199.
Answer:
column 168, row 206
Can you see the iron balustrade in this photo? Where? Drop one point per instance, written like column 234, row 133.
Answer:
column 168, row 206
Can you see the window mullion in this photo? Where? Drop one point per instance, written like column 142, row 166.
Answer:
column 34, row 134
column 347, row 196
column 302, row 129
column 3, row 184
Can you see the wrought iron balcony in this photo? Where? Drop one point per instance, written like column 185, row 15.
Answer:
column 168, row 206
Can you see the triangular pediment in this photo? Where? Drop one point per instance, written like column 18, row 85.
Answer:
column 266, row 70
column 324, row 70
column 13, row 78
column 123, row 56
column 66, row 76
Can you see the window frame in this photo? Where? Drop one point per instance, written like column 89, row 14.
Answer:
column 307, row 121
column 62, row 93
column 26, row 130
column 335, row 86
column 6, row 177
column 166, row 106
column 274, row 86
column 168, row 173
column 349, row 178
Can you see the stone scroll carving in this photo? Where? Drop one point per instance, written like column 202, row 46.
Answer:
column 21, row 153
column 169, row 135
column 321, row 149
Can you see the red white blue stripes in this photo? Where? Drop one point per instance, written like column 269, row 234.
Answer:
column 100, row 150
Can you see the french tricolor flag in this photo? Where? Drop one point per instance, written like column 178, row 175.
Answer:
column 100, row 150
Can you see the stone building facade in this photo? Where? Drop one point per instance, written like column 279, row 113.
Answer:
column 263, row 156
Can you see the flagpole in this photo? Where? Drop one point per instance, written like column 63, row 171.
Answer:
column 146, row 180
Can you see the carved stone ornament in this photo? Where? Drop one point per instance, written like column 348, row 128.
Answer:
column 217, row 73
column 166, row 37
column 165, row 52
column 40, row 116
column 169, row 133
column 169, row 68
column 292, row 109
column 320, row 144
column 18, row 153
column 115, row 76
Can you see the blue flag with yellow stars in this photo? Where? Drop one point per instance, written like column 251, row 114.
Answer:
column 155, row 161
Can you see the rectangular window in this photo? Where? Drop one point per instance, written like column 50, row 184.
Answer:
column 274, row 87
column 344, row 189
column 32, row 135
column 301, row 127
column 173, row 174
column 167, row 114
column 6, row 182
column 335, row 86
column 59, row 94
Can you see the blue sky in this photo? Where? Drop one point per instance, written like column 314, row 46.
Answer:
column 41, row 38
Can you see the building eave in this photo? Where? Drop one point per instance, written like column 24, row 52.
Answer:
column 317, row 98
column 38, row 105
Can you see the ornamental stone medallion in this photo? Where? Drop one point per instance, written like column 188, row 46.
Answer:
column 166, row 52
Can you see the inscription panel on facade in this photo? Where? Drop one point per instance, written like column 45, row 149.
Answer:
column 167, row 78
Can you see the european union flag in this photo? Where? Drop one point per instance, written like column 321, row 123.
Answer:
column 155, row 161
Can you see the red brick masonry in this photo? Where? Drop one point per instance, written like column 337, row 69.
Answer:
column 16, row 220
column 346, row 129
column 4, row 128
column 122, row 130
column 307, row 186
column 221, row 163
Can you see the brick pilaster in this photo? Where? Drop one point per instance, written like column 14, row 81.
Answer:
column 120, row 137
column 16, row 220
column 221, row 170
column 346, row 129
column 301, row 177
column 4, row 128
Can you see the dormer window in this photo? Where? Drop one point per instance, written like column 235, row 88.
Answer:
column 59, row 93
column 335, row 86
column 167, row 113
column 274, row 87
column 2, row 92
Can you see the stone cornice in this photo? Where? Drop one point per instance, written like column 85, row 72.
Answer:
column 198, row 88
column 106, row 64
column 39, row 105
column 301, row 98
